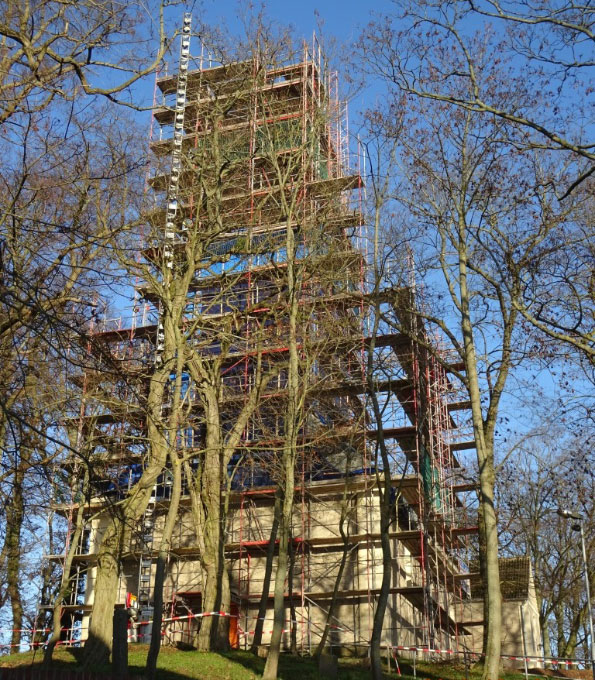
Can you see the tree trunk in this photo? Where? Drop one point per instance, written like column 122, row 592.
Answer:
column 560, row 635
column 488, row 557
column 272, row 662
column 14, row 523
column 375, row 655
column 79, row 523
column 99, row 642
column 289, row 458
column 545, row 634
column 577, row 621
column 292, row 614
column 337, row 585
column 384, row 484
column 211, row 556
column 266, row 583
column 483, row 431
column 214, row 629
column 164, row 548
column 221, row 639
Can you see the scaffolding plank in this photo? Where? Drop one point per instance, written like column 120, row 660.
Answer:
column 463, row 446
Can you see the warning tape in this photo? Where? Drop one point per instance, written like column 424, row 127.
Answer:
column 546, row 659
column 37, row 643
column 251, row 632
column 186, row 617
column 567, row 661
column 27, row 630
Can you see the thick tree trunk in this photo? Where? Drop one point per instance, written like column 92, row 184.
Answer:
column 209, row 594
column 331, row 611
column 488, row 558
column 483, row 431
column 577, row 621
column 14, row 522
column 212, row 558
column 385, row 490
column 164, row 548
column 206, row 506
column 79, row 523
column 221, row 638
column 272, row 662
column 560, row 634
column 214, row 630
column 99, row 642
column 545, row 634
column 375, row 654
column 266, row 583
column 292, row 613
column 288, row 466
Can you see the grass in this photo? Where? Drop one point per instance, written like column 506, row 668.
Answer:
column 175, row 664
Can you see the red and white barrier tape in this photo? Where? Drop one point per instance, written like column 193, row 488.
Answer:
column 401, row 648
column 545, row 659
column 27, row 630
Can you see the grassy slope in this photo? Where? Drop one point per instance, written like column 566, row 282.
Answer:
column 177, row 665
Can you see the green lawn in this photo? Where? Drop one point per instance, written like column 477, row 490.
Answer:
column 176, row 664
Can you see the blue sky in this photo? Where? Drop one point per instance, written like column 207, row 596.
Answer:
column 341, row 22
column 342, row 18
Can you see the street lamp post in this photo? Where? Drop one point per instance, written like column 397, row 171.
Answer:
column 579, row 519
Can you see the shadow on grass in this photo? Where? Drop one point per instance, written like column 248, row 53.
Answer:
column 177, row 664
column 67, row 663
column 249, row 661
column 292, row 667
column 64, row 658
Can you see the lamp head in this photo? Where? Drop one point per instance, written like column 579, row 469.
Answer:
column 567, row 514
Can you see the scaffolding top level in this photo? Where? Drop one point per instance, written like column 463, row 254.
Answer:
column 237, row 72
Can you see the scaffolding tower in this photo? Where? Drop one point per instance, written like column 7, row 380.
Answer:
column 286, row 109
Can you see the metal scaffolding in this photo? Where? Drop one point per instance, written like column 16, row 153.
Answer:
column 336, row 510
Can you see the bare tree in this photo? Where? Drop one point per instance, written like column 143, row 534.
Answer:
column 531, row 526
column 431, row 51
column 55, row 50
column 479, row 205
column 552, row 43
column 55, row 221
